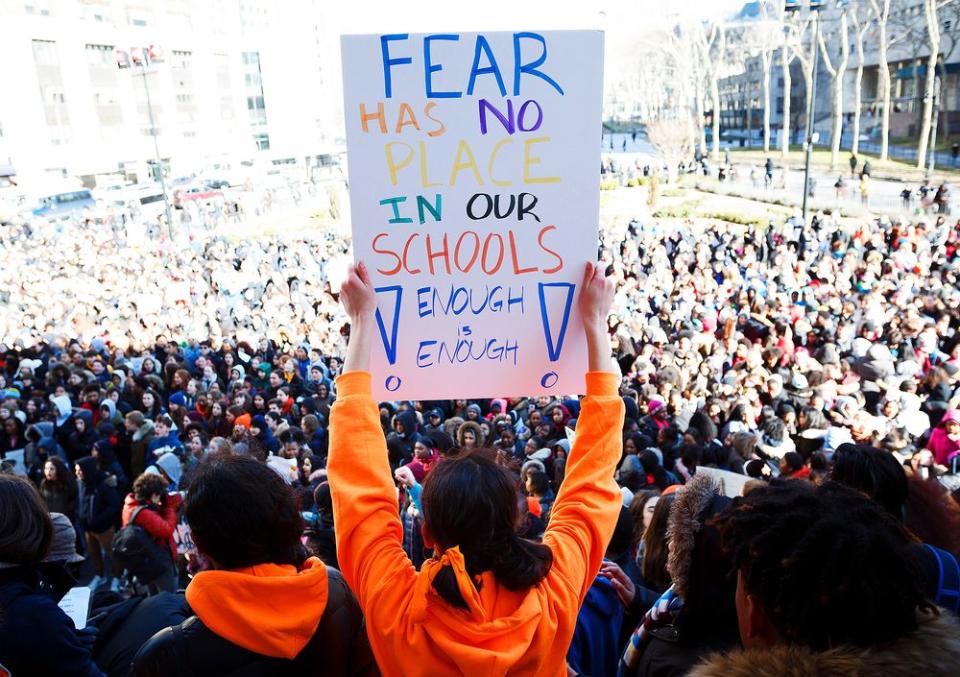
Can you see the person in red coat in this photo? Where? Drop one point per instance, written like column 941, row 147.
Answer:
column 158, row 518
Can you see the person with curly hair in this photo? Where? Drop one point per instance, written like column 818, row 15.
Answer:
column 826, row 585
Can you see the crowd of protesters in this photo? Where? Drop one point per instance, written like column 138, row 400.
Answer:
column 173, row 411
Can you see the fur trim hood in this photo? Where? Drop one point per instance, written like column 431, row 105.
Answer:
column 682, row 528
column 932, row 650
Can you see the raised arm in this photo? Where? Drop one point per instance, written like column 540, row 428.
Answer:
column 365, row 515
column 588, row 505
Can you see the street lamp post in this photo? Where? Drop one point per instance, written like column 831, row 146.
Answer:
column 140, row 58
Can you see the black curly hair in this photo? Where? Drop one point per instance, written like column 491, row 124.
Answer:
column 830, row 566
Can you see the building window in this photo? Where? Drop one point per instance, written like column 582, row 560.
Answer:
column 50, row 79
column 262, row 141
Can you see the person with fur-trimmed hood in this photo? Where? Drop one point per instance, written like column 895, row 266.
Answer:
column 826, row 585
column 696, row 615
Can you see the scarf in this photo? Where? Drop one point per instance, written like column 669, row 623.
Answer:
column 663, row 612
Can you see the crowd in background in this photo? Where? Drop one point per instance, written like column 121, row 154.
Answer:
column 801, row 354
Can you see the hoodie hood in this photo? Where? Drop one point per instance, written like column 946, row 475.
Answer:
column 64, row 408
column 91, row 471
column 949, row 415
column 170, row 464
column 262, row 608
column 110, row 407
column 408, row 419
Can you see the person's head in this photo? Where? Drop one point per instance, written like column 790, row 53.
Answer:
column 25, row 527
column 641, row 507
column 537, row 484
column 55, row 470
column 275, row 379
column 242, row 513
column 149, row 488
column 194, row 446
column 148, row 400
column 162, row 425
column 810, row 562
column 422, row 449
column 874, row 473
column 134, row 421
column 470, row 502
column 656, row 544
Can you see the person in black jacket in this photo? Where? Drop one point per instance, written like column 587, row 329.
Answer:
column 36, row 636
column 100, row 505
column 265, row 608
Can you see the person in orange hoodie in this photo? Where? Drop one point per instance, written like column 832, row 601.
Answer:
column 489, row 602
column 265, row 608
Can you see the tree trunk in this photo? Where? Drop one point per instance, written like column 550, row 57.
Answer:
column 884, row 72
column 837, row 120
column 857, row 86
column 787, row 87
column 715, row 96
column 933, row 33
column 698, row 103
column 837, row 73
column 766, row 100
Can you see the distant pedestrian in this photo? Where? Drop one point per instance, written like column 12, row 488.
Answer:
column 906, row 198
column 841, row 187
column 955, row 152
column 866, row 169
column 768, row 173
column 865, row 189
column 853, row 165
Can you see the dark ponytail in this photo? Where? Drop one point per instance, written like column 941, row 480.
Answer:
column 471, row 502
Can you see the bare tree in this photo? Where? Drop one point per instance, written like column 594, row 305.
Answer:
column 930, row 8
column 881, row 12
column 711, row 46
column 836, row 68
column 768, row 36
column 861, row 17
column 672, row 141
column 786, row 58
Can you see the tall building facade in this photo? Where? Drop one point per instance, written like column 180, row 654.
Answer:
column 226, row 81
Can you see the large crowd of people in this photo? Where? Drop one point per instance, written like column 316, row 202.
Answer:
column 194, row 414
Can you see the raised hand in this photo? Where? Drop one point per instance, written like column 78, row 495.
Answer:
column 357, row 294
column 596, row 298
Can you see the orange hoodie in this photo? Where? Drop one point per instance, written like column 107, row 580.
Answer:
column 412, row 630
column 270, row 609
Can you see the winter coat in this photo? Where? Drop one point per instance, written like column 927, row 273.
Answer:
column 126, row 626
column 78, row 444
column 320, row 631
column 99, row 502
column 60, row 498
column 36, row 637
column 159, row 446
column 932, row 650
column 595, row 648
column 940, row 444
column 158, row 521
column 138, row 448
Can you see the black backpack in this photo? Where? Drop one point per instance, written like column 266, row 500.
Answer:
column 139, row 552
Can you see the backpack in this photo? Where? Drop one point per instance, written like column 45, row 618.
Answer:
column 139, row 552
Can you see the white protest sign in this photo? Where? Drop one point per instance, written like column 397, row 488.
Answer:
column 474, row 191
column 75, row 604
column 731, row 484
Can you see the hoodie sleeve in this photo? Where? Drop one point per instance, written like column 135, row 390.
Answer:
column 365, row 515
column 585, row 512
